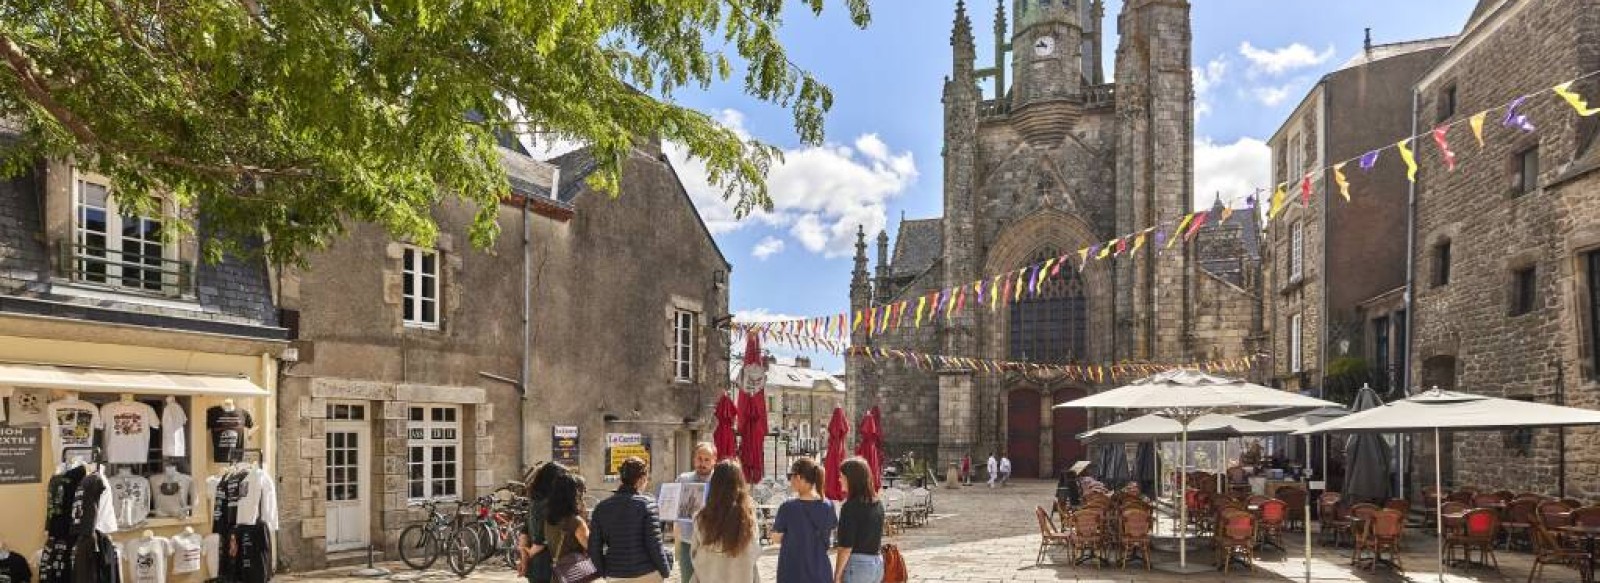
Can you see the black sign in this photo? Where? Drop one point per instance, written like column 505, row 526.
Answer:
column 564, row 444
column 20, row 458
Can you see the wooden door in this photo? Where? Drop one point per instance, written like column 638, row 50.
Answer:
column 1066, row 426
column 1023, row 410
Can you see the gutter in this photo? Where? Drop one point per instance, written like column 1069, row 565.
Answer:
column 525, row 446
column 1411, row 286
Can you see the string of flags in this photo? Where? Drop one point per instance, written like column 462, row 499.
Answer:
column 1028, row 281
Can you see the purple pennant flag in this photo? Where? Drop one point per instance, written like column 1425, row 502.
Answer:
column 1161, row 239
column 1369, row 159
column 1517, row 120
column 1033, row 279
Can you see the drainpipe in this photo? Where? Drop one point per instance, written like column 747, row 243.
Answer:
column 1561, row 433
column 524, row 446
column 1411, row 276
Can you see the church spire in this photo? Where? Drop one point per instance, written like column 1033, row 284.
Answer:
column 961, row 31
column 860, row 286
column 1001, row 44
column 883, row 267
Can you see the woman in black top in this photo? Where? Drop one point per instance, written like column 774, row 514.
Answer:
column 566, row 532
column 860, row 527
column 536, row 563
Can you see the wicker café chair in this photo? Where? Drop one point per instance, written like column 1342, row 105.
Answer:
column 1360, row 526
column 1236, row 537
column 1548, row 550
column 1295, row 500
column 1049, row 537
column 1384, row 534
column 1521, row 516
column 1137, row 524
column 1553, row 514
column 1586, row 516
column 1482, row 528
column 1088, row 538
column 1335, row 522
column 1274, row 513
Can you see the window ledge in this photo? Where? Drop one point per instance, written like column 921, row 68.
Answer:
column 107, row 293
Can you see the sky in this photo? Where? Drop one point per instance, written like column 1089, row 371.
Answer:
column 1253, row 61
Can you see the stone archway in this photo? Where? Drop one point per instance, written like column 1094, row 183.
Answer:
column 1024, row 420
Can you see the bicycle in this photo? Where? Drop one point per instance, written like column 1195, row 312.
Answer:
column 497, row 527
column 422, row 542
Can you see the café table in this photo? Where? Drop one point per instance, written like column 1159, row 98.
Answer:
column 1589, row 533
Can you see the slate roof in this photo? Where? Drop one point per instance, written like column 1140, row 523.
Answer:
column 576, row 166
column 527, row 175
column 1390, row 50
column 919, row 243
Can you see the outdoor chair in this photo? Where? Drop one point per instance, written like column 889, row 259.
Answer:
column 1088, row 537
column 1586, row 516
column 1049, row 537
column 1572, row 503
column 1505, row 495
column 1256, row 500
column 1274, row 513
column 1487, row 501
column 1548, row 550
column 1384, row 533
column 1295, row 501
column 1430, row 506
column 1463, row 496
column 1520, row 516
column 1536, row 498
column 1403, row 506
column 1238, row 480
column 894, row 510
column 1061, row 511
column 1452, row 525
column 1137, row 524
column 1360, row 524
column 1335, row 523
column 1236, row 536
column 921, row 506
column 1553, row 514
column 1481, row 529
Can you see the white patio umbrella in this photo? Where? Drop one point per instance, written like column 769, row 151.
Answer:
column 1439, row 411
column 1184, row 396
column 1155, row 426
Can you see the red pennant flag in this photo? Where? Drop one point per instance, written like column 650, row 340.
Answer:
column 1056, row 270
column 1122, row 245
column 1305, row 190
column 1444, row 146
column 961, row 299
column 1199, row 221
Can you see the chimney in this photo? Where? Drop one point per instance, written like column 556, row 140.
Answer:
column 1368, row 44
column 802, row 362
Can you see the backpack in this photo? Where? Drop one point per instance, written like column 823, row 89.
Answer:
column 894, row 565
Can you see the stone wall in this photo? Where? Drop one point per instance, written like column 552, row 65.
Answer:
column 1467, row 334
column 1303, row 295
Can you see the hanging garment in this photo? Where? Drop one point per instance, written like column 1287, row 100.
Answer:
column 174, row 434
column 146, row 560
column 130, row 496
column 128, row 426
column 72, row 424
column 227, row 433
column 173, row 494
column 188, row 553
column 14, row 568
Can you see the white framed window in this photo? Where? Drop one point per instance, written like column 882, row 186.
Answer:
column 1297, row 251
column 420, row 268
column 1296, row 158
column 433, row 452
column 115, row 247
column 1294, row 344
column 683, row 345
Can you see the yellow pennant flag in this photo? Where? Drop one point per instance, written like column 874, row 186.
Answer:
column 1106, row 250
column 921, row 303
column 1083, row 258
column 856, row 324
column 1277, row 201
column 1476, row 121
column 1338, row 178
column 1139, row 240
column 994, row 294
column 1577, row 101
column 1178, row 234
column 1044, row 272
column 1017, row 295
column 1410, row 159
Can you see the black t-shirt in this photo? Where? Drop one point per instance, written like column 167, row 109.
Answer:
column 227, row 433
column 58, row 509
column 14, row 569
column 861, row 527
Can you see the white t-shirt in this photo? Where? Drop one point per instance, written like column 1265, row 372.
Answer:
column 187, row 553
column 72, row 424
column 146, row 560
column 994, row 466
column 28, row 407
column 174, row 443
column 131, row 494
column 173, row 495
column 1005, row 465
column 128, row 426
column 258, row 500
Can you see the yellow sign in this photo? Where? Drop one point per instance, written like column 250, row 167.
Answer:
column 621, row 446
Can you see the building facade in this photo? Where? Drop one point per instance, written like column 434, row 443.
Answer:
column 1335, row 263
column 1504, row 251
column 103, row 304
column 1057, row 159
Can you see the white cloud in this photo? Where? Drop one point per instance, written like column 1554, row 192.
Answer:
column 761, row 315
column 1272, row 96
column 767, row 247
column 1233, row 170
column 820, row 194
column 1205, row 79
column 1283, row 60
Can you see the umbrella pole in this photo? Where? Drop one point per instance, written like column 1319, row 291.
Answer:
column 1183, row 502
column 1438, row 501
column 1306, row 524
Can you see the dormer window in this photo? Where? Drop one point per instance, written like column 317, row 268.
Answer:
column 119, row 247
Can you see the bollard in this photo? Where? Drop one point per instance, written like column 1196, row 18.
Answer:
column 371, row 570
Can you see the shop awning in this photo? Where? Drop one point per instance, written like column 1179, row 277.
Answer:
column 112, row 380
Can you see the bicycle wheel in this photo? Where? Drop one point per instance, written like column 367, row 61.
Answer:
column 461, row 552
column 417, row 547
column 488, row 539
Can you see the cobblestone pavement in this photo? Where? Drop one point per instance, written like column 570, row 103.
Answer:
column 983, row 535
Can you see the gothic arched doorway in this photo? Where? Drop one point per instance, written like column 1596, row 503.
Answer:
column 1024, row 412
column 1067, row 424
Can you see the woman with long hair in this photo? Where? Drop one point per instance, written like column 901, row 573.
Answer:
column 724, row 546
column 566, row 532
column 860, row 527
column 535, row 562
column 803, row 527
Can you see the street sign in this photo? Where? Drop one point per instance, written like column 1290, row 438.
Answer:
column 564, row 445
column 20, row 449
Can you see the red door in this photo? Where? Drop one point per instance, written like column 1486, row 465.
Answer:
column 1022, row 432
column 1068, row 423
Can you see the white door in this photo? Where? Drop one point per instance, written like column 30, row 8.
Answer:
column 346, row 487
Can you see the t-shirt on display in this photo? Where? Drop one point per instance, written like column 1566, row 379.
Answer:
column 72, row 424
column 173, row 495
column 147, row 560
column 187, row 553
column 27, row 407
column 128, row 431
column 131, row 495
column 227, row 433
column 174, row 441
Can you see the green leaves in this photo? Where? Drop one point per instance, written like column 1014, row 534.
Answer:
column 284, row 119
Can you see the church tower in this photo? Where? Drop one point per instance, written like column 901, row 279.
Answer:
column 1155, row 153
column 1047, row 51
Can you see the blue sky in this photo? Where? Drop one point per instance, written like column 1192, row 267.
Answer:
column 1254, row 61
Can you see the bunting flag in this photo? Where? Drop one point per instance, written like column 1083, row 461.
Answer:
column 1054, row 271
column 1476, row 121
column 1045, row 273
column 1576, row 101
column 995, row 295
column 1178, row 232
column 977, row 288
column 1368, row 160
column 1098, row 373
column 1515, row 119
column 1083, row 257
column 1122, row 246
column 1443, row 142
column 961, row 300
column 1161, row 239
column 922, row 302
column 855, row 327
column 1106, row 250
column 1277, row 201
column 1409, row 158
column 1138, row 241
column 1199, row 221
column 1305, row 190
column 1006, row 293
column 1339, row 179
column 1017, row 296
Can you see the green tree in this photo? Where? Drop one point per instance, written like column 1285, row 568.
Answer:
column 283, row 119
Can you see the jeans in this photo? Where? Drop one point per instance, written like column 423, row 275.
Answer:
column 685, row 566
column 863, row 569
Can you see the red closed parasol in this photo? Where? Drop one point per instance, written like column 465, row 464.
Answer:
column 723, row 437
column 838, row 431
column 870, row 447
column 753, row 410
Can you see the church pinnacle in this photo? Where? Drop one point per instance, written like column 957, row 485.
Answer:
column 961, row 32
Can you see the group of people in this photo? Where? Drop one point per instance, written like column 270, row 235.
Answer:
column 622, row 537
column 999, row 470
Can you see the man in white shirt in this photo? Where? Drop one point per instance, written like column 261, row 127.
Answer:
column 994, row 469
column 1005, row 469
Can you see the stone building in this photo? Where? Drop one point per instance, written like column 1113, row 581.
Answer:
column 1338, row 267
column 1059, row 159
column 1506, row 248
column 107, row 304
column 440, row 371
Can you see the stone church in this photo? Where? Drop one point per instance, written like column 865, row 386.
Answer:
column 1057, row 160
